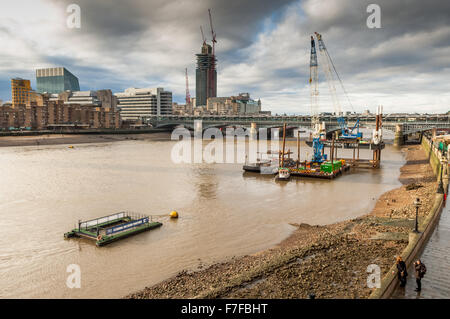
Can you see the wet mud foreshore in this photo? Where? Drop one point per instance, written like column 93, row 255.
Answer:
column 62, row 139
column 328, row 261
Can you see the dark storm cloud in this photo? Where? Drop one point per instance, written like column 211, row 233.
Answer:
column 235, row 21
column 398, row 16
column 344, row 28
column 263, row 46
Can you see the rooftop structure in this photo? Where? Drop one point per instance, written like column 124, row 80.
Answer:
column 101, row 98
column 233, row 105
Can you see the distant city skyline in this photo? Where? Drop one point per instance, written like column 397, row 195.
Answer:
column 262, row 48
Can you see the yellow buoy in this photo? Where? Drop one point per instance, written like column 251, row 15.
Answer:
column 70, row 146
column 173, row 214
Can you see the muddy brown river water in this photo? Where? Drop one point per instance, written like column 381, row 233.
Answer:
column 45, row 190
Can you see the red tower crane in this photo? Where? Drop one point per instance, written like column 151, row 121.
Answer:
column 212, row 80
column 213, row 34
column 188, row 95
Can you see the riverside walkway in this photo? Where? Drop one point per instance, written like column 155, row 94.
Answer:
column 436, row 256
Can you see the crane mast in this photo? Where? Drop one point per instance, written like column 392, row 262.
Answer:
column 188, row 95
column 212, row 88
column 318, row 156
column 330, row 70
column 313, row 84
column 213, row 34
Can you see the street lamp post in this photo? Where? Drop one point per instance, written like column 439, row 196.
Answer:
column 417, row 204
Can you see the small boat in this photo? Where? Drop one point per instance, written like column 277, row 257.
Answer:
column 283, row 174
column 262, row 166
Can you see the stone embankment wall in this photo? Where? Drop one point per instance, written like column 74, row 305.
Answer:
column 418, row 240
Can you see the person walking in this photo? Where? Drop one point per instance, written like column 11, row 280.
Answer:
column 401, row 271
column 420, row 269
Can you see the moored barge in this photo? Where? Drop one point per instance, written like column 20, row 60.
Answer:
column 107, row 229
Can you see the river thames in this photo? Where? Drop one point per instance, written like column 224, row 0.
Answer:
column 224, row 212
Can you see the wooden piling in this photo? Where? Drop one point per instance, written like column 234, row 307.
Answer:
column 298, row 148
column 284, row 144
column 332, row 155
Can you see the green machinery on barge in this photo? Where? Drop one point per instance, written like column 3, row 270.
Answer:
column 107, row 229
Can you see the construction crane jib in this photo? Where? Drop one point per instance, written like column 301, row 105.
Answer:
column 330, row 73
column 326, row 66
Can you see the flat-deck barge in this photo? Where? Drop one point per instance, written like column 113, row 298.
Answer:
column 107, row 229
column 318, row 172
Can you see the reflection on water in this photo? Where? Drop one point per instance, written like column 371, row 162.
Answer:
column 206, row 183
column 224, row 212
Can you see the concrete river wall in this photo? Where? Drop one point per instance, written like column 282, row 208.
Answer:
column 417, row 241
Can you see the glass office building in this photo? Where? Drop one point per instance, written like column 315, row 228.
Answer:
column 56, row 80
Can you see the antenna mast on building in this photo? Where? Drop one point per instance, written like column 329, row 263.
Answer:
column 188, row 95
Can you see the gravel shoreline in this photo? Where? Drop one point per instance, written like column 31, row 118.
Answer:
column 73, row 139
column 327, row 261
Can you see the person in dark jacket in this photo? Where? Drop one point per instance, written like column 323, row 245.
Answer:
column 401, row 271
column 420, row 269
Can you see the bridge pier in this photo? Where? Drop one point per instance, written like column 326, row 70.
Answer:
column 198, row 129
column 398, row 138
column 253, row 131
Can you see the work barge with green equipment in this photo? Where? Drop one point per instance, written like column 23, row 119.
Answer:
column 108, row 229
column 328, row 168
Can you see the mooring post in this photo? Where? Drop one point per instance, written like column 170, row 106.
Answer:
column 298, row 148
column 377, row 150
column 358, row 152
column 336, row 148
column 253, row 131
column 332, row 155
column 398, row 138
column 353, row 156
column 284, row 144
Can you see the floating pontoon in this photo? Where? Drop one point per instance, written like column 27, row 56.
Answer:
column 107, row 229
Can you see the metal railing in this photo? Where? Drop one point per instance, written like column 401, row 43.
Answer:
column 101, row 220
column 98, row 222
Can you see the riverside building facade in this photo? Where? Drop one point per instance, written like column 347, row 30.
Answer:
column 67, row 110
column 20, row 91
column 137, row 104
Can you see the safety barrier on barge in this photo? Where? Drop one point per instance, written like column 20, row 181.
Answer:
column 107, row 229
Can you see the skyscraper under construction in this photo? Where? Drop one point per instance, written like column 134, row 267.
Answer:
column 206, row 75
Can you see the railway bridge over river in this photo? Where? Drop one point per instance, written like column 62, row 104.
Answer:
column 402, row 125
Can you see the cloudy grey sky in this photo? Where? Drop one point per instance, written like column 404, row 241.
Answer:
column 263, row 48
